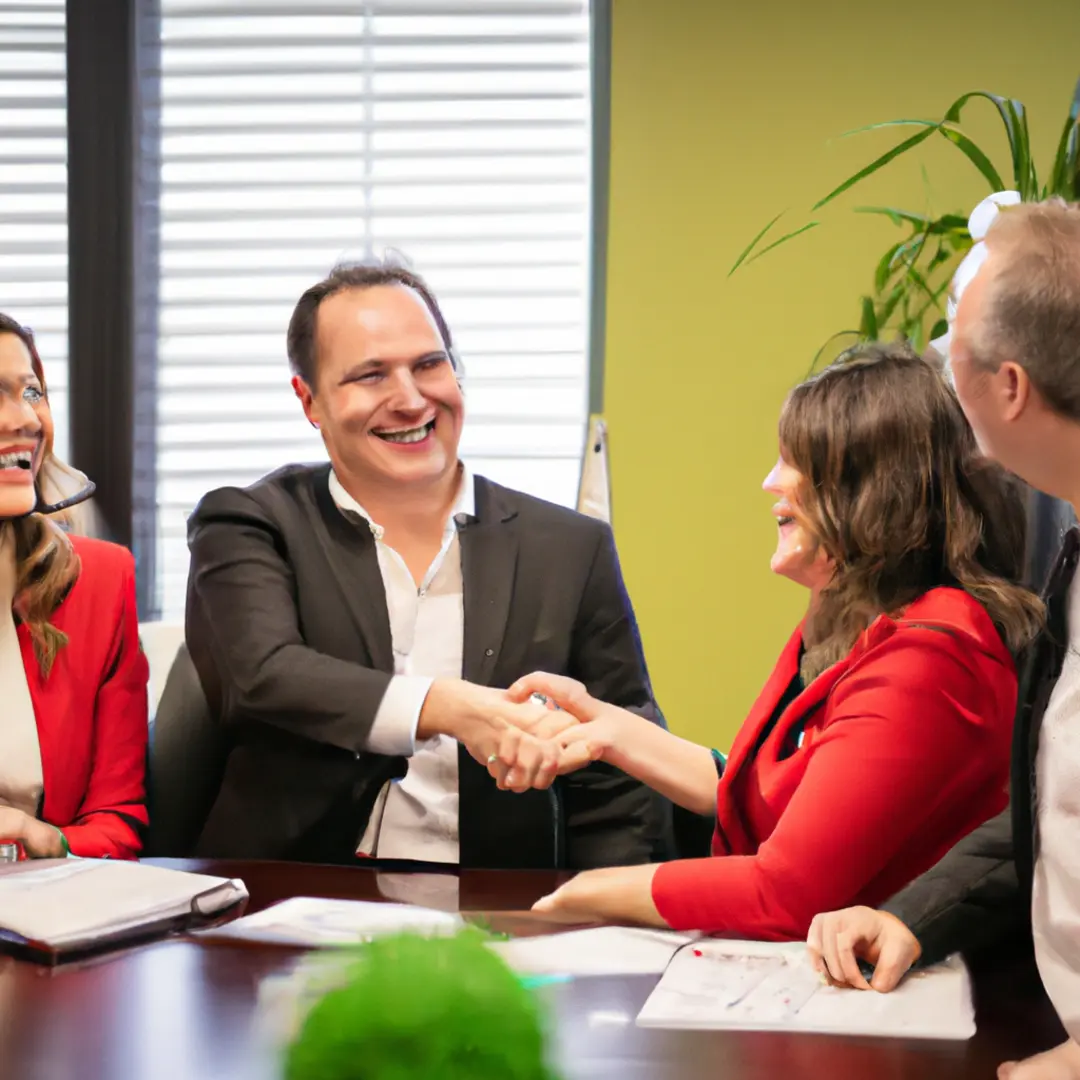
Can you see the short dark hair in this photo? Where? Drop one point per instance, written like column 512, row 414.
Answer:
column 364, row 274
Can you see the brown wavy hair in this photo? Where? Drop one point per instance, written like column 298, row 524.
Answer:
column 46, row 565
column 897, row 494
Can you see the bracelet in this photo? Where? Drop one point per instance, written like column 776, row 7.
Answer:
column 720, row 760
column 63, row 843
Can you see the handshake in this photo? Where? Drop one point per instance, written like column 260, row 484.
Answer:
column 523, row 742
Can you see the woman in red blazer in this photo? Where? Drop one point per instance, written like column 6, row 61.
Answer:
column 882, row 736
column 74, row 710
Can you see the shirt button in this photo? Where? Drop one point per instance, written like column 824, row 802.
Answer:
column 489, row 652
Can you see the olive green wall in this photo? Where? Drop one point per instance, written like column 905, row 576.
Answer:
column 722, row 114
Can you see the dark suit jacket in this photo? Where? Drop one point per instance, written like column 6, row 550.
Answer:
column 981, row 891
column 288, row 628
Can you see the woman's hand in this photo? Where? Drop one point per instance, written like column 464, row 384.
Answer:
column 40, row 841
column 600, row 728
column 478, row 716
column 570, row 746
column 569, row 694
column 617, row 894
column 840, row 939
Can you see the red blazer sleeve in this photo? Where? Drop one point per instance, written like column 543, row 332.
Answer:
column 112, row 815
column 900, row 763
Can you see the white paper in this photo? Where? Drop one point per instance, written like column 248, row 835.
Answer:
column 65, row 902
column 440, row 891
column 606, row 950
column 755, row 986
column 310, row 921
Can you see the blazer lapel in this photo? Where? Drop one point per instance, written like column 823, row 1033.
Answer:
column 786, row 669
column 349, row 547
column 733, row 829
column 1040, row 670
column 489, row 551
column 496, row 828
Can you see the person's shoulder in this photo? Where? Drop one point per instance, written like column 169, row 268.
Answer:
column 945, row 629
column 959, row 615
column 97, row 596
column 288, row 485
column 534, row 511
column 101, row 558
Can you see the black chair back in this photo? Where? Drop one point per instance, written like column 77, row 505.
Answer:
column 186, row 762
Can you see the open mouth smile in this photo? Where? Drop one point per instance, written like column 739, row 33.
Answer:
column 407, row 436
column 17, row 459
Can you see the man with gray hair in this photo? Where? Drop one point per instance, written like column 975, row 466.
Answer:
column 1014, row 354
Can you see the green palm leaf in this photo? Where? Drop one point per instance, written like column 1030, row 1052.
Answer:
column 832, row 337
column 981, row 162
column 885, row 312
column 868, row 325
column 1065, row 173
column 753, row 243
column 890, row 155
column 781, row 240
column 885, row 266
column 947, row 223
column 1014, row 120
column 961, row 141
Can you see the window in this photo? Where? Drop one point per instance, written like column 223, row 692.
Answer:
column 297, row 134
column 33, row 186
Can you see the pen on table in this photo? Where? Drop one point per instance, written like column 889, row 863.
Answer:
column 534, row 982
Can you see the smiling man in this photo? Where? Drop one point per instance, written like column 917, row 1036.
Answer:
column 352, row 622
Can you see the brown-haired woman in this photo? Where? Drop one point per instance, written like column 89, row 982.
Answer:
column 883, row 735
column 73, row 737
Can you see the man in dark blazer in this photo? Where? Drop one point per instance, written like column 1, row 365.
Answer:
column 1014, row 350
column 352, row 623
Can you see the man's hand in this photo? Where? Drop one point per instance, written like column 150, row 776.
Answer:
column 840, row 939
column 39, row 840
column 533, row 759
column 502, row 734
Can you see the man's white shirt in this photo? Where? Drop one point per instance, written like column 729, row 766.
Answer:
column 1055, row 912
column 417, row 817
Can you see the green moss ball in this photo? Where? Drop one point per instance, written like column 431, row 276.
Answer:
column 433, row 1008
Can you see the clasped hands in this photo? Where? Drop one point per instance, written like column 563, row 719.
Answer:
column 522, row 743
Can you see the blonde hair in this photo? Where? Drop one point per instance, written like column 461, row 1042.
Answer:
column 1032, row 305
column 46, row 565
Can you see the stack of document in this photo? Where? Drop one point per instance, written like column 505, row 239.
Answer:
column 705, row 983
column 314, row 922
column 757, row 986
column 50, row 908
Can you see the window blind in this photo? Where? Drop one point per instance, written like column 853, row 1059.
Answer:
column 297, row 134
column 33, row 186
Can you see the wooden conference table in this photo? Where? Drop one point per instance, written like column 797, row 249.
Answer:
column 180, row 1010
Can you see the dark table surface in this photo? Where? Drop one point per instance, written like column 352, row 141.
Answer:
column 179, row 1009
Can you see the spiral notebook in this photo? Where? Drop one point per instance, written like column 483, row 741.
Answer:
column 54, row 909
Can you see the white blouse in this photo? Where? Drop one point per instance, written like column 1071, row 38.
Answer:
column 21, row 781
column 1055, row 911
